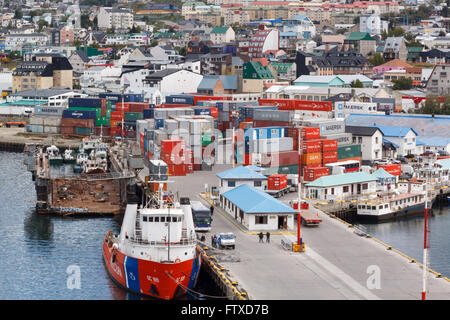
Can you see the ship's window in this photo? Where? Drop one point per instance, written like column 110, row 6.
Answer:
column 381, row 207
column 179, row 219
column 174, row 219
column 150, row 219
column 363, row 207
column 374, row 208
column 163, row 219
column 156, row 219
column 144, row 218
column 385, row 205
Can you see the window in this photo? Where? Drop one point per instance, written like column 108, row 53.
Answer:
column 150, row 219
column 260, row 219
column 257, row 183
column 365, row 186
column 156, row 219
column 231, row 183
column 174, row 219
column 345, row 189
column 144, row 218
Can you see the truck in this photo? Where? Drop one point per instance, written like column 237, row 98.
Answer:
column 307, row 216
column 281, row 184
column 226, row 240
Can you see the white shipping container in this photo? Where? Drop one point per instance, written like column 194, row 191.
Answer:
column 52, row 121
column 34, row 120
column 343, row 139
column 356, row 107
column 195, row 140
column 50, row 129
column 271, row 145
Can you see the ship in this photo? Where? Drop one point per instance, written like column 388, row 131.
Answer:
column 390, row 207
column 99, row 185
column 69, row 156
column 155, row 254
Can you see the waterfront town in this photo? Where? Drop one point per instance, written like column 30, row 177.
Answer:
column 214, row 126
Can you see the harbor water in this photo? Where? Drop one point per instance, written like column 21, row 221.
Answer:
column 48, row 257
column 41, row 255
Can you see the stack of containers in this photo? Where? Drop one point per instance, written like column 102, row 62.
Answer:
column 100, row 106
column 350, row 152
column 311, row 148
column 173, row 152
column 46, row 120
column 329, row 151
column 78, row 122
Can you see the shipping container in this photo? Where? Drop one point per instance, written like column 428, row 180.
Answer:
column 263, row 123
column 329, row 157
column 327, row 126
column 351, row 151
column 83, row 131
column 309, row 133
column 79, row 114
column 133, row 116
column 282, row 169
column 277, row 182
column 49, row 111
column 311, row 174
column 311, row 158
column 343, row 139
column 87, row 102
column 394, row 169
column 180, row 99
column 276, row 159
column 148, row 113
column 271, row 115
column 72, row 122
column 176, row 169
column 311, row 146
column 329, row 145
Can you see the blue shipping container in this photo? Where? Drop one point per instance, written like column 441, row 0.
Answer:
column 149, row 113
column 202, row 111
column 117, row 97
column 180, row 99
column 85, row 102
column 79, row 114
column 159, row 123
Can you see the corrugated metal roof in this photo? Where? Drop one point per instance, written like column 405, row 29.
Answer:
column 341, row 179
column 445, row 163
column 251, row 200
column 395, row 131
column 240, row 173
column 381, row 173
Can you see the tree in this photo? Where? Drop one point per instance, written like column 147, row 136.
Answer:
column 18, row 14
column 377, row 59
column 402, row 84
column 41, row 24
column 357, row 84
column 182, row 51
column 154, row 43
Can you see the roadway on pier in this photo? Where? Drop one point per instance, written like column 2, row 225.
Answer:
column 337, row 264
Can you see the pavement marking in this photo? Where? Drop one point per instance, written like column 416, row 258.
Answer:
column 334, row 270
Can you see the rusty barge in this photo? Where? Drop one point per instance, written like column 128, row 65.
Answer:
column 97, row 185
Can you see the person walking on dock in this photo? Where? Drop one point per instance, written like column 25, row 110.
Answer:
column 211, row 209
column 261, row 236
column 268, row 237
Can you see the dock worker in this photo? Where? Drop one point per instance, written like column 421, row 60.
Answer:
column 211, row 209
column 261, row 236
column 268, row 237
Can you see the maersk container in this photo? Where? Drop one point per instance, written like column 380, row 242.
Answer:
column 343, row 139
column 350, row 151
column 85, row 102
column 180, row 99
column 49, row 111
column 79, row 114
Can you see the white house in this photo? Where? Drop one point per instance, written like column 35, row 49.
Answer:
column 371, row 141
column 235, row 177
column 95, row 76
column 173, row 81
column 403, row 137
column 221, row 35
column 341, row 186
column 257, row 210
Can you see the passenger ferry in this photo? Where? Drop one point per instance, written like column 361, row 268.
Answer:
column 156, row 252
column 390, row 207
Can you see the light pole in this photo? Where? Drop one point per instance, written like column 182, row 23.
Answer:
column 425, row 241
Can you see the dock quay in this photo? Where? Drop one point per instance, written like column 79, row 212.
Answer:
column 340, row 262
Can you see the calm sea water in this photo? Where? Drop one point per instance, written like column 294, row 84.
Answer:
column 407, row 235
column 37, row 250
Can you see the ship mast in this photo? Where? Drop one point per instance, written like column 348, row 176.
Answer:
column 425, row 242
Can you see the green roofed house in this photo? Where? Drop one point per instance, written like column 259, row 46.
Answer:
column 341, row 186
column 221, row 35
column 361, row 42
column 283, row 70
column 414, row 54
column 256, row 77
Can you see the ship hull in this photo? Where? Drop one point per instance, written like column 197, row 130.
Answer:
column 150, row 278
column 408, row 211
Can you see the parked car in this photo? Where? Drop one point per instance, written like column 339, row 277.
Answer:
column 402, row 159
column 395, row 161
column 443, row 153
column 410, row 156
column 381, row 161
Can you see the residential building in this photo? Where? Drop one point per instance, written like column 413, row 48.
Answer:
column 114, row 18
column 15, row 42
column 62, row 35
column 362, row 42
column 216, row 64
column 263, row 40
column 332, row 81
column 44, row 72
column 301, row 25
column 371, row 141
column 395, row 48
column 218, row 85
column 221, row 35
column 438, row 83
column 256, row 77
column 240, row 17
column 173, row 81
column 372, row 24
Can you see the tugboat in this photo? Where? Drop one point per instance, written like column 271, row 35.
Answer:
column 156, row 252
column 97, row 161
column 53, row 155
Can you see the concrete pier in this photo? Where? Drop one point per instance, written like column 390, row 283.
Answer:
column 339, row 263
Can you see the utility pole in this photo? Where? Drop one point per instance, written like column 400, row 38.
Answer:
column 299, row 188
column 425, row 242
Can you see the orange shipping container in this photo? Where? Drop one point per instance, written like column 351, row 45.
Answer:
column 311, row 158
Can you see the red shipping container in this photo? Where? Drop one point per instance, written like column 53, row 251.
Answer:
column 190, row 168
column 311, row 173
column 311, row 146
column 117, row 115
column 103, row 131
column 277, row 159
column 309, row 133
column 394, row 169
column 172, row 105
column 138, row 106
column 329, row 157
column 329, row 145
column 247, row 159
column 210, row 98
column 286, row 103
column 277, row 182
column 82, row 123
column 176, row 169
column 312, row 105
column 67, row 130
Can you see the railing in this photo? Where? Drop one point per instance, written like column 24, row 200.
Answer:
column 161, row 244
column 91, row 177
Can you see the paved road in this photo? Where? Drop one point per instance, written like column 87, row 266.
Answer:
column 337, row 264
